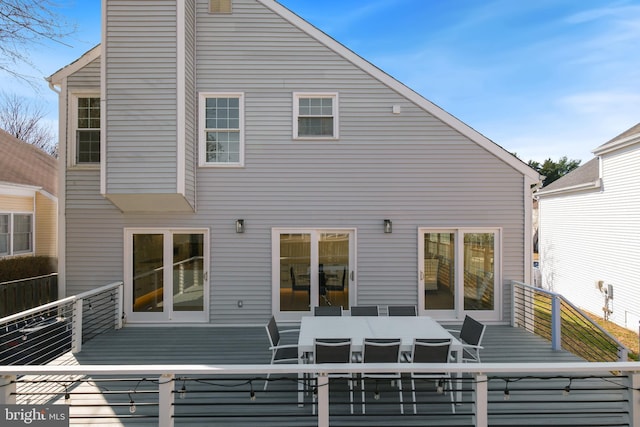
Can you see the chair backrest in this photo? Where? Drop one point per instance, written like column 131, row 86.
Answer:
column 273, row 332
column 332, row 350
column 327, row 310
column 364, row 310
column 472, row 331
column 402, row 310
column 381, row 350
column 426, row 350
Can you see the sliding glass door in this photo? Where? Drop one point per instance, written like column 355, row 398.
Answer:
column 166, row 276
column 457, row 273
column 312, row 267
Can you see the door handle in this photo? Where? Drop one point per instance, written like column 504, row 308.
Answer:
column 351, row 275
column 421, row 275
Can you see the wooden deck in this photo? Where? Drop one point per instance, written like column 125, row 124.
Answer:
column 226, row 401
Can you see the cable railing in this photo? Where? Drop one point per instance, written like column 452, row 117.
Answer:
column 554, row 318
column 594, row 394
column 39, row 335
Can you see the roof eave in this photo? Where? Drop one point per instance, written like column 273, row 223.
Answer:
column 78, row 64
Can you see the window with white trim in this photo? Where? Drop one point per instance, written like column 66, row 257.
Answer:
column 222, row 129
column 315, row 116
column 16, row 233
column 86, row 126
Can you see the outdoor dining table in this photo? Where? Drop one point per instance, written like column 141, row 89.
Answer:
column 407, row 328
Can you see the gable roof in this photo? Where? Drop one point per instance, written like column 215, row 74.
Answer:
column 22, row 163
column 366, row 66
column 403, row 90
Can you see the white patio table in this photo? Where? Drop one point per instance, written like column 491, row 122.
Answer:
column 407, row 328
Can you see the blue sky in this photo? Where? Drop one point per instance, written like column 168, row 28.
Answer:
column 542, row 78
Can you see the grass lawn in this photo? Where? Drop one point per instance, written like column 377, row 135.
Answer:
column 626, row 336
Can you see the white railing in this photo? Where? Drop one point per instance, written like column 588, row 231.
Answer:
column 555, row 318
column 40, row 334
column 168, row 379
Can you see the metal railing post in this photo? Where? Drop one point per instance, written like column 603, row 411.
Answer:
column 634, row 398
column 481, row 401
column 323, row 399
column 556, row 324
column 8, row 390
column 76, row 334
column 165, row 401
column 119, row 305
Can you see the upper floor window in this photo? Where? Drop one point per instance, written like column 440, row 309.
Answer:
column 87, row 130
column 315, row 115
column 222, row 129
column 16, row 233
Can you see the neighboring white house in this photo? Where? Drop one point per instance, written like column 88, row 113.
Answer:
column 228, row 160
column 590, row 232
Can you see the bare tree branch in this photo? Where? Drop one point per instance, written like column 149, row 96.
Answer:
column 24, row 120
column 24, row 23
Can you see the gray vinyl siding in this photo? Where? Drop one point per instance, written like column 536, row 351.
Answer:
column 88, row 77
column 591, row 236
column 191, row 101
column 141, row 54
column 411, row 168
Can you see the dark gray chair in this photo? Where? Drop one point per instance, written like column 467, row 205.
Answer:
column 402, row 310
column 334, row 350
column 380, row 350
column 470, row 335
column 287, row 353
column 431, row 351
column 327, row 310
column 364, row 310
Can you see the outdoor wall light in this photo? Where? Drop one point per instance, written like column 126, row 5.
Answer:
column 239, row 225
column 388, row 228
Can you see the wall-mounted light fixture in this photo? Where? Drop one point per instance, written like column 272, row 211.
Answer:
column 388, row 227
column 239, row 225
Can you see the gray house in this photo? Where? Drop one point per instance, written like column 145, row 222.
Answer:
column 228, row 161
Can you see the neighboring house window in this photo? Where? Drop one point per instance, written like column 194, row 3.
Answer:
column 4, row 234
column 16, row 233
column 87, row 147
column 315, row 116
column 222, row 134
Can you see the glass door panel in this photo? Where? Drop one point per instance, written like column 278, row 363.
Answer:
column 333, row 269
column 479, row 271
column 166, row 275
column 438, row 272
column 188, row 272
column 295, row 271
column 148, row 273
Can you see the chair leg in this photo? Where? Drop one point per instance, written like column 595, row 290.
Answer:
column 413, row 393
column 400, row 393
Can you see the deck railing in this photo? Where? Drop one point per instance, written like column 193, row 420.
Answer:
column 232, row 394
column 40, row 334
column 551, row 316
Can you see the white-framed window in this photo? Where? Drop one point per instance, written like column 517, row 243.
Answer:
column 85, row 129
column 221, row 139
column 315, row 115
column 16, row 233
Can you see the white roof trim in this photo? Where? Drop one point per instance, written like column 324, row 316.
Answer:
column 403, row 90
column 23, row 190
column 78, row 64
column 597, row 184
column 617, row 145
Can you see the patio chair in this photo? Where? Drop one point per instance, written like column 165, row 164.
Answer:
column 327, row 310
column 334, row 350
column 364, row 310
column 287, row 353
column 470, row 335
column 402, row 310
column 381, row 351
column 431, row 351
